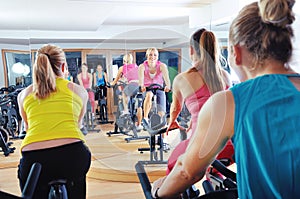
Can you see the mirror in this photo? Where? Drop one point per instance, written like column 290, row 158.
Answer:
column 17, row 67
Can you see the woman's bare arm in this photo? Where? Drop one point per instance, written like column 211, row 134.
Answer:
column 177, row 102
column 214, row 127
column 82, row 93
column 165, row 72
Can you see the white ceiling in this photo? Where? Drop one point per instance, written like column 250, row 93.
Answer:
column 113, row 21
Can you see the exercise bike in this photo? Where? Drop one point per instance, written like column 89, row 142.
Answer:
column 102, row 106
column 29, row 187
column 4, row 131
column 10, row 110
column 156, row 126
column 57, row 187
column 125, row 123
column 228, row 190
column 183, row 120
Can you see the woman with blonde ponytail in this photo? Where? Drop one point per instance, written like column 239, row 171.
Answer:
column 260, row 115
column 52, row 109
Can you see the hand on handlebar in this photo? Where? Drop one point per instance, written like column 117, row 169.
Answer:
column 173, row 126
column 167, row 89
column 110, row 84
column 156, row 185
column 143, row 88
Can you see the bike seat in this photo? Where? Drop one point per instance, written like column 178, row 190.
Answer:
column 57, row 182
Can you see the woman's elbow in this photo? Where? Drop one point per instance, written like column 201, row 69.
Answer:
column 188, row 173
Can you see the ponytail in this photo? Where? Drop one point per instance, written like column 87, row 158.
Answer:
column 210, row 63
column 45, row 70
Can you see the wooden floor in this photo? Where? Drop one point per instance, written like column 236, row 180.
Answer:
column 112, row 173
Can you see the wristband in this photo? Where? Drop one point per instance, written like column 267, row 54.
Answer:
column 156, row 195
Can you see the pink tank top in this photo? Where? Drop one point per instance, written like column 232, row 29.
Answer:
column 195, row 102
column 85, row 81
column 130, row 72
column 158, row 77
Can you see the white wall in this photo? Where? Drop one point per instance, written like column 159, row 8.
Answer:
column 185, row 59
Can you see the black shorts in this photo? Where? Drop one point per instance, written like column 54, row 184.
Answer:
column 100, row 94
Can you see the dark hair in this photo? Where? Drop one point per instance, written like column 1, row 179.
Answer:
column 264, row 28
column 195, row 38
column 206, row 46
column 45, row 69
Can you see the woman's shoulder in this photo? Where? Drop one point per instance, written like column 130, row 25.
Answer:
column 161, row 64
column 142, row 66
column 25, row 92
column 181, row 78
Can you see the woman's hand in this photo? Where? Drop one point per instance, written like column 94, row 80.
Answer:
column 175, row 125
column 143, row 88
column 156, row 185
column 189, row 128
column 167, row 89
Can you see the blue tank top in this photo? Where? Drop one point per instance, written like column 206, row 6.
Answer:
column 267, row 137
column 100, row 81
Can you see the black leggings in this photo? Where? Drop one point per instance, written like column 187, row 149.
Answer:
column 70, row 162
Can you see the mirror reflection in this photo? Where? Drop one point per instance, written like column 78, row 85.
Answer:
column 18, row 68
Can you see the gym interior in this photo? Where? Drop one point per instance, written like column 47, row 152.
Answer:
column 102, row 32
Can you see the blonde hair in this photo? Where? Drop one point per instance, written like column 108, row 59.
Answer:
column 128, row 58
column 264, row 29
column 149, row 50
column 45, row 69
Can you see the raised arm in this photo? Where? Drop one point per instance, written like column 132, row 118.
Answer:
column 214, row 127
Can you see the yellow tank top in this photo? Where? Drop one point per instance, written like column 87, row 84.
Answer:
column 54, row 117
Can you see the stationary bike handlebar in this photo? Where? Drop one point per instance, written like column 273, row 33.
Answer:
column 219, row 166
column 144, row 180
column 146, row 184
column 154, row 87
column 32, row 180
column 156, row 132
column 30, row 184
column 119, row 83
column 5, row 102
